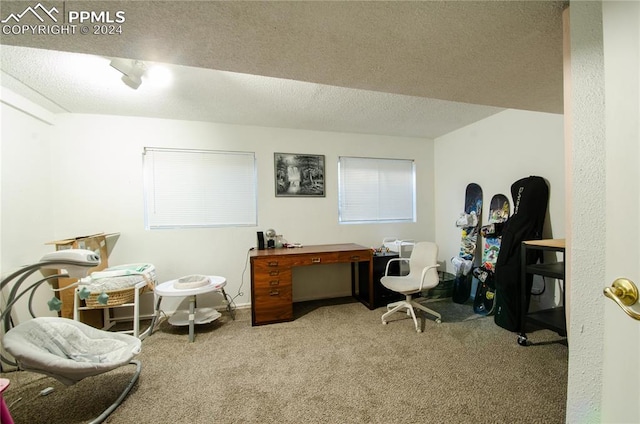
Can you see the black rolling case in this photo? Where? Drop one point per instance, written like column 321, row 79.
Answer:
column 530, row 198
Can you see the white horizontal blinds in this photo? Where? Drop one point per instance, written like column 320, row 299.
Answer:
column 376, row 189
column 358, row 195
column 396, row 187
column 199, row 188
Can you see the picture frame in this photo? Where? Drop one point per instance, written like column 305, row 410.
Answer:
column 299, row 175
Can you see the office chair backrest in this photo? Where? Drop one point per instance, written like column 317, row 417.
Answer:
column 424, row 254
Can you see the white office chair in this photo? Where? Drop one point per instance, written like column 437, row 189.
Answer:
column 422, row 275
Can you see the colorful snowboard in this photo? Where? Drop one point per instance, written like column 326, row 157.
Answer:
column 469, row 223
column 498, row 213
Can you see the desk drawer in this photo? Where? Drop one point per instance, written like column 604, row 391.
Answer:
column 325, row 258
column 272, row 278
column 272, row 304
column 266, row 265
column 272, row 295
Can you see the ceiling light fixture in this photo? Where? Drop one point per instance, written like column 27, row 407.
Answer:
column 158, row 75
column 132, row 71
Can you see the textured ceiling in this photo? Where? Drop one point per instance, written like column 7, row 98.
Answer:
column 402, row 68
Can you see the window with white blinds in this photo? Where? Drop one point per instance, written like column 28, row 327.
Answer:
column 199, row 188
column 376, row 190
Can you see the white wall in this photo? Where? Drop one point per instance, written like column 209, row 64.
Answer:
column 587, row 262
column 25, row 197
column 26, row 191
column 95, row 181
column 604, row 341
column 495, row 153
column 97, row 186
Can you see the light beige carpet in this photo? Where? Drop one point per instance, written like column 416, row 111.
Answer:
column 336, row 363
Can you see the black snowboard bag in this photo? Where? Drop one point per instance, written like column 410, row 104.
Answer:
column 530, row 198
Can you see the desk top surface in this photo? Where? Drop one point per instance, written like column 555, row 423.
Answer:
column 319, row 248
column 552, row 243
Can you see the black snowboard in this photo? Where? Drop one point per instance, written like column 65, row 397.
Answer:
column 530, row 197
column 483, row 303
column 468, row 244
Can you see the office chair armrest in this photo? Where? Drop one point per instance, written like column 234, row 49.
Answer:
column 424, row 274
column 386, row 269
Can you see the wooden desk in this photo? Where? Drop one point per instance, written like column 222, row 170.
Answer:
column 271, row 276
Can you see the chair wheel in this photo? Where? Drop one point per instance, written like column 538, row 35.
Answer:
column 438, row 321
column 384, row 322
column 418, row 330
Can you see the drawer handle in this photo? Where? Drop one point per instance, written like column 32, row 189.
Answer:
column 315, row 260
column 355, row 258
column 273, row 263
column 273, row 273
column 274, row 293
column 274, row 282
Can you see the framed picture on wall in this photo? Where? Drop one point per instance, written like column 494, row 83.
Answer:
column 299, row 175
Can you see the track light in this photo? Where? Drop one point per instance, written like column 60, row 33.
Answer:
column 132, row 71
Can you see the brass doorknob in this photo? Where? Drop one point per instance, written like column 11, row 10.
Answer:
column 625, row 293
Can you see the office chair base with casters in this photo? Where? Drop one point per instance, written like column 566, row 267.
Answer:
column 410, row 305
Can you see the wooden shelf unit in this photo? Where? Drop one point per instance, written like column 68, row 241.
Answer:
column 553, row 318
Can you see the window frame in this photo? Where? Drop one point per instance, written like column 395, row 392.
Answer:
column 212, row 179
column 342, row 219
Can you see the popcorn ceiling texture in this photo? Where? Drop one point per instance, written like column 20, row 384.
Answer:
column 407, row 68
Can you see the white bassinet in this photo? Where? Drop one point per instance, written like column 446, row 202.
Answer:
column 118, row 286
column 115, row 285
